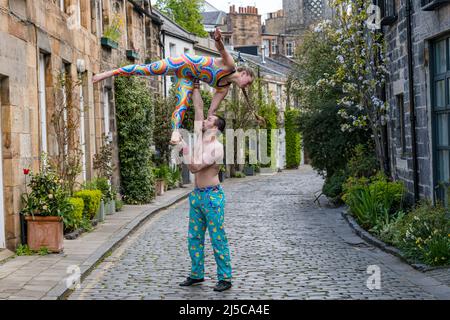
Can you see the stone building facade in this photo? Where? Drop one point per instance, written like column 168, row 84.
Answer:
column 418, row 92
column 40, row 40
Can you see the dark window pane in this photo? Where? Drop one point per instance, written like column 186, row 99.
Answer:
column 440, row 57
column 442, row 129
column 440, row 94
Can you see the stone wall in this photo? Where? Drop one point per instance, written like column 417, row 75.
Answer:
column 427, row 25
column 29, row 29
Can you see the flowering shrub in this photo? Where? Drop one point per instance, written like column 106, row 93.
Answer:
column 425, row 234
column 47, row 197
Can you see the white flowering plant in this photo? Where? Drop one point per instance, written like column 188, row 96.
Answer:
column 47, row 196
column 361, row 69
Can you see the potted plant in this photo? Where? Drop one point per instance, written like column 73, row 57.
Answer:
column 249, row 170
column 160, row 181
column 112, row 33
column 44, row 209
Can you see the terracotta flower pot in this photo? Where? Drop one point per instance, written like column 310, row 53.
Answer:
column 45, row 231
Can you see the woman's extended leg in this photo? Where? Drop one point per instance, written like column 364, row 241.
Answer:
column 167, row 66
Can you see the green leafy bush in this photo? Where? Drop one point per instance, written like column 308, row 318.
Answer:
column 425, row 234
column 102, row 184
column 74, row 219
column 91, row 199
column 119, row 205
column 374, row 201
column 135, row 122
column 174, row 177
column 332, row 187
column 363, row 162
column 293, row 140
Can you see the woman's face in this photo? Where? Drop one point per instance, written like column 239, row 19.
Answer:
column 244, row 80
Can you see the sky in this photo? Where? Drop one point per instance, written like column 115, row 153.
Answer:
column 264, row 6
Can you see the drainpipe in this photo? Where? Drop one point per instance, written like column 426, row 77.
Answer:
column 412, row 111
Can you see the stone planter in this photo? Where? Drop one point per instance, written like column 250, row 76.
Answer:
column 101, row 212
column 45, row 231
column 160, row 187
column 108, row 43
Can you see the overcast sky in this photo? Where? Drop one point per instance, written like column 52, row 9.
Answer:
column 264, row 6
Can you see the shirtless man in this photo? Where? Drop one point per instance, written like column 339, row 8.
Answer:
column 207, row 201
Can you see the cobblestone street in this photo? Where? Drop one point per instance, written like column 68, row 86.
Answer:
column 283, row 246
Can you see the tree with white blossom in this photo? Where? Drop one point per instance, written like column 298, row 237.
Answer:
column 361, row 71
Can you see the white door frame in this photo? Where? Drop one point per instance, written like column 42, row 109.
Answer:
column 2, row 209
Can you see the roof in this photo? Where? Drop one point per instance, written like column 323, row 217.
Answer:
column 214, row 18
column 269, row 67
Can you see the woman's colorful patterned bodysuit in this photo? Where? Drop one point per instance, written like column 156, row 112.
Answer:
column 185, row 68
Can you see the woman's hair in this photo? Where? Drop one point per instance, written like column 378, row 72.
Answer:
column 246, row 70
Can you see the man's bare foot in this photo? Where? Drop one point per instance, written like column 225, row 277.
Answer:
column 176, row 138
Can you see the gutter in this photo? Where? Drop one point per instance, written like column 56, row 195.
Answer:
column 412, row 111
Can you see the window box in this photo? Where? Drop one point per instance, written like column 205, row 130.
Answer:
column 106, row 42
column 430, row 5
column 132, row 54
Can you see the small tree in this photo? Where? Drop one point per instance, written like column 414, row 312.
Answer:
column 361, row 70
column 186, row 13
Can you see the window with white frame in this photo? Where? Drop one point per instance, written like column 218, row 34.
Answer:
column 290, row 48
column 266, row 45
column 274, row 46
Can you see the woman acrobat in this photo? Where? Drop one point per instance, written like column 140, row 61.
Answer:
column 219, row 73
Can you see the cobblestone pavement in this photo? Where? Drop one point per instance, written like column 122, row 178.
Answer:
column 283, row 246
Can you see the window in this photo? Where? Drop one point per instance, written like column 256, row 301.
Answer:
column 186, row 50
column 172, row 50
column 388, row 11
column 440, row 69
column 42, row 103
column 97, row 17
column 401, row 120
column 274, row 46
column 290, row 48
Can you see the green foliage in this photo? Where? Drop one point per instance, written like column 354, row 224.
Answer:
column 91, row 199
column 113, row 29
column 47, row 196
column 239, row 174
column 332, row 187
column 373, row 201
column 186, row 13
column 119, row 205
column 103, row 160
column 174, row 177
column 74, row 219
column 424, row 234
column 328, row 147
column 363, row 163
column 102, row 184
column 43, row 251
column 293, row 142
column 135, row 117
column 163, row 109
column 188, row 122
column 23, row 250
